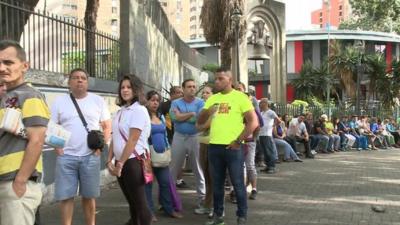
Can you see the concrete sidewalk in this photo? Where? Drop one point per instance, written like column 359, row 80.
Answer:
column 332, row 189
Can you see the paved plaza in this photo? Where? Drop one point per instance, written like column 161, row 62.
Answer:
column 333, row 189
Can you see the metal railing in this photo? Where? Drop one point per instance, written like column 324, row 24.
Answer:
column 58, row 44
column 336, row 111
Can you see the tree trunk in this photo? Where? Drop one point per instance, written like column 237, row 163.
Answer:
column 13, row 21
column 349, row 84
column 226, row 54
column 92, row 6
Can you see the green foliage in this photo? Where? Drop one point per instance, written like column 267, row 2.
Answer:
column 210, row 67
column 388, row 85
column 375, row 15
column 312, row 81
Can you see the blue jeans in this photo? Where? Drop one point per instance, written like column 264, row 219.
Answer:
column 73, row 171
column 164, row 195
column 314, row 140
column 267, row 144
column 220, row 159
column 361, row 140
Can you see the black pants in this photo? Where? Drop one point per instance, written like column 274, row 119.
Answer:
column 306, row 145
column 132, row 185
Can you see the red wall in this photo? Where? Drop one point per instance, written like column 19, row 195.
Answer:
column 259, row 90
column 289, row 93
column 389, row 47
column 298, row 56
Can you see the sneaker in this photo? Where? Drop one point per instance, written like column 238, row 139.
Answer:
column 260, row 164
column 201, row 210
column 182, row 184
column 271, row 171
column 313, row 152
column 216, row 221
column 232, row 197
column 253, row 195
column 241, row 221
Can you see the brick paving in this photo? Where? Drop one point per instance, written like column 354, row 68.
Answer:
column 333, row 189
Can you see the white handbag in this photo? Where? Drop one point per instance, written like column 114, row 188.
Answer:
column 160, row 159
column 11, row 122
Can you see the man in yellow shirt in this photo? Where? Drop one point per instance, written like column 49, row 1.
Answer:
column 229, row 108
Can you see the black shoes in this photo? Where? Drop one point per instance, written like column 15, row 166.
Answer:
column 253, row 195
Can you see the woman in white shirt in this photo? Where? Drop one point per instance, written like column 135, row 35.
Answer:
column 130, row 132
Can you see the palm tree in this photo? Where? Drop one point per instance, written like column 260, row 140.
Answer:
column 343, row 64
column 375, row 68
column 306, row 83
column 216, row 22
column 388, row 85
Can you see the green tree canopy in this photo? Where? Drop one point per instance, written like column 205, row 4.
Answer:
column 374, row 15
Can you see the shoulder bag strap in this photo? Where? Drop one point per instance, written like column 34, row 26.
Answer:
column 125, row 138
column 79, row 112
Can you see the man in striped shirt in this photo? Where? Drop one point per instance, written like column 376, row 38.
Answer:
column 20, row 163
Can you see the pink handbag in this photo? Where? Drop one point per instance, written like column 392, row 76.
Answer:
column 145, row 162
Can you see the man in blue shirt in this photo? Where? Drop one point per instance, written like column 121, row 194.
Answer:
column 184, row 112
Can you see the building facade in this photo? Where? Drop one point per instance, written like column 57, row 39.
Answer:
column 331, row 14
column 74, row 10
column 313, row 46
column 184, row 15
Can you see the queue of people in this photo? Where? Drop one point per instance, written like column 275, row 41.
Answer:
column 223, row 136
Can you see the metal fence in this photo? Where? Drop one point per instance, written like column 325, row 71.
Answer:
column 335, row 111
column 58, row 44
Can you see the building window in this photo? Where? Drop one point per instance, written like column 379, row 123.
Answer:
column 193, row 27
column 192, row 18
column 307, row 50
column 114, row 10
column 193, row 36
column 114, row 22
column 193, row 9
column 320, row 26
column 320, row 20
column 67, row 6
column 191, row 1
column 340, row 13
column 320, row 14
column 340, row 7
column 71, row 18
column 164, row 4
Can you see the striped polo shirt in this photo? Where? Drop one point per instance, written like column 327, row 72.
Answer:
column 34, row 113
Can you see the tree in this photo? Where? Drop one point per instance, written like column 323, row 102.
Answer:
column 306, row 83
column 375, row 15
column 13, row 28
column 92, row 6
column 343, row 64
column 388, row 85
column 375, row 68
column 216, row 23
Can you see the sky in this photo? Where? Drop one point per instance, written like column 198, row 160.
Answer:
column 298, row 13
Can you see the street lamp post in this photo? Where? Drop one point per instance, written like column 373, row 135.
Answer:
column 235, row 18
column 359, row 45
column 328, row 89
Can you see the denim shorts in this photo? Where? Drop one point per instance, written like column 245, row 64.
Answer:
column 77, row 171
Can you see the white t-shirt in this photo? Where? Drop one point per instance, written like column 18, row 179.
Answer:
column 268, row 118
column 63, row 112
column 133, row 116
column 296, row 128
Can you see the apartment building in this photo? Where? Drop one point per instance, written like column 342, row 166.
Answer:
column 184, row 15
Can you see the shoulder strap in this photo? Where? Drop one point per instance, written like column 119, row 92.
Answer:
column 79, row 112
